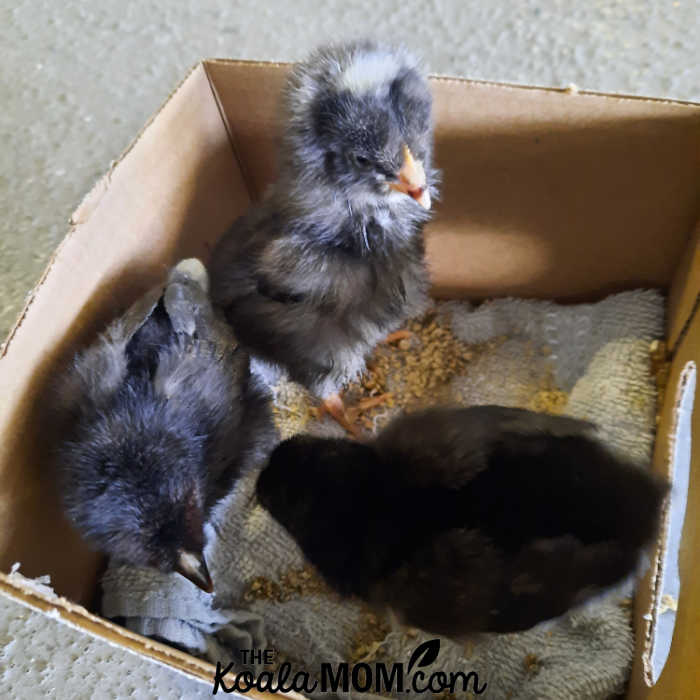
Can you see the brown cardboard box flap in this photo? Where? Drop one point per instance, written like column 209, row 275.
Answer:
column 679, row 678
column 685, row 291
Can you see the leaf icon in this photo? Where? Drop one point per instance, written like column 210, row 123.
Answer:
column 428, row 650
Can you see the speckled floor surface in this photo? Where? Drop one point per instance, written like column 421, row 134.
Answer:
column 79, row 79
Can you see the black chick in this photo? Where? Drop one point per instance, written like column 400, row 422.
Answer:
column 332, row 261
column 161, row 415
column 464, row 520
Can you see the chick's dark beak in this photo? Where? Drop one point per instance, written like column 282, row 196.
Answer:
column 411, row 179
column 192, row 567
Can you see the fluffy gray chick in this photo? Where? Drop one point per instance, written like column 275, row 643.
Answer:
column 161, row 415
column 332, row 260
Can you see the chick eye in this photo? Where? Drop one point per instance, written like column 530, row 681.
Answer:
column 361, row 160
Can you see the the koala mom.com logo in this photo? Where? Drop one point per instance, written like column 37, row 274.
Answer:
column 379, row 677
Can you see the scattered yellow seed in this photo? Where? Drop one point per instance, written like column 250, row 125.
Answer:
column 367, row 645
column 294, row 583
column 532, row 663
column 417, row 371
column 660, row 370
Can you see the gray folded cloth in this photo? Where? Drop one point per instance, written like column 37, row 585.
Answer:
column 598, row 354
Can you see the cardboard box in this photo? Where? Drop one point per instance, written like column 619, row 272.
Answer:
column 547, row 193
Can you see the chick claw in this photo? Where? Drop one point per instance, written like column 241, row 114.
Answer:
column 397, row 335
column 335, row 408
column 370, row 402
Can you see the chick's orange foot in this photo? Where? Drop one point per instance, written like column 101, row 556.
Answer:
column 394, row 337
column 335, row 407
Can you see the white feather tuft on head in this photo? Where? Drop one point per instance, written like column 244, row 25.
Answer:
column 369, row 70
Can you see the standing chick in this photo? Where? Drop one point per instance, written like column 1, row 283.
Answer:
column 464, row 520
column 332, row 260
column 161, row 414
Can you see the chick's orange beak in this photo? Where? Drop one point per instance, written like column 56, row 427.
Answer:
column 412, row 179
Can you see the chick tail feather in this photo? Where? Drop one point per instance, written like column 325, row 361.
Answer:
column 542, row 486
